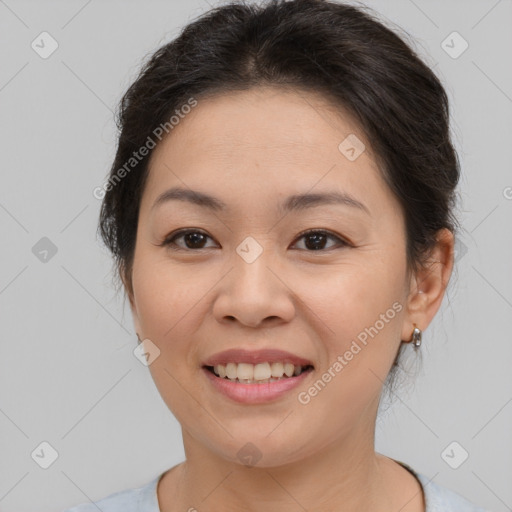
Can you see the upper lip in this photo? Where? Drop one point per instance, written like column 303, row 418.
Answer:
column 240, row 355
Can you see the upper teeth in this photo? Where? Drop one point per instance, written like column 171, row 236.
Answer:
column 260, row 371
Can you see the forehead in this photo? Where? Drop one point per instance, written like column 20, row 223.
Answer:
column 271, row 141
column 265, row 118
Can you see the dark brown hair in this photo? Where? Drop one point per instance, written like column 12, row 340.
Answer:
column 341, row 51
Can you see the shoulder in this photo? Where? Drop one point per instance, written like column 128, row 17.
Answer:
column 442, row 499
column 140, row 499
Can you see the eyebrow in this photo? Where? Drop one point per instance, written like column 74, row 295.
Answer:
column 294, row 202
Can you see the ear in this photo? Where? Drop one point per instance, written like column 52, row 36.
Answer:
column 428, row 285
column 128, row 288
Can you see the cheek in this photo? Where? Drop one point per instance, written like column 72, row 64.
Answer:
column 360, row 315
column 167, row 302
column 358, row 311
column 353, row 296
column 167, row 293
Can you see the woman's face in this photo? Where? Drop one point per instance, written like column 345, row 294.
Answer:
column 249, row 279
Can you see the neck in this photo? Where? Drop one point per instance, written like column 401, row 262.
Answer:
column 345, row 475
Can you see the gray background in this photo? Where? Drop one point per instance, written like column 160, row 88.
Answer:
column 67, row 372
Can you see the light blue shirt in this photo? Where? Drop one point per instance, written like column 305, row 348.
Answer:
column 144, row 499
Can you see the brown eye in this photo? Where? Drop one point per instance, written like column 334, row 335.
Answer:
column 317, row 239
column 192, row 239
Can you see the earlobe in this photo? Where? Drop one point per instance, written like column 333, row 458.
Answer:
column 128, row 288
column 135, row 316
column 136, row 323
column 428, row 285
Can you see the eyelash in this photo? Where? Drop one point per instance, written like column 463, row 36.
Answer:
column 170, row 240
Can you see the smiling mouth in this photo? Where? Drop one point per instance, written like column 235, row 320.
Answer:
column 261, row 373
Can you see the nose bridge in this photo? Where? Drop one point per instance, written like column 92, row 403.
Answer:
column 250, row 250
column 252, row 292
column 251, row 262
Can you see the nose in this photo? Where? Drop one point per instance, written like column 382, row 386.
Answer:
column 254, row 294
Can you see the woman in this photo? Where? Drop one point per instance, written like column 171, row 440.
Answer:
column 280, row 210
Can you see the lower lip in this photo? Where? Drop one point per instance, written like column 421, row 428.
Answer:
column 255, row 393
